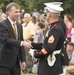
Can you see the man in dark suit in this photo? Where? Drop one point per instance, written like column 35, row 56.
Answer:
column 11, row 46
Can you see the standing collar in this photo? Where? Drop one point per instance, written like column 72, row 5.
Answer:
column 54, row 23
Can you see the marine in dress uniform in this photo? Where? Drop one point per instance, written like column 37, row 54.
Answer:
column 49, row 53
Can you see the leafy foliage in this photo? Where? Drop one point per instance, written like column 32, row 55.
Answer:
column 30, row 5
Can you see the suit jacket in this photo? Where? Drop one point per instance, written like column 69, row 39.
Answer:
column 11, row 49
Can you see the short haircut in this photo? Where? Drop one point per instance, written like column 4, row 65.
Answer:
column 71, row 44
column 27, row 15
column 10, row 5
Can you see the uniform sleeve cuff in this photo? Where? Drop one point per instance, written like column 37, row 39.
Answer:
column 44, row 51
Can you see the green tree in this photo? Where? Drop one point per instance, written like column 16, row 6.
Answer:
column 69, row 7
column 30, row 5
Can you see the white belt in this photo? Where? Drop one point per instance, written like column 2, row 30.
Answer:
column 51, row 58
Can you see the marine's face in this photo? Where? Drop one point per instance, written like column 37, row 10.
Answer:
column 14, row 13
column 48, row 16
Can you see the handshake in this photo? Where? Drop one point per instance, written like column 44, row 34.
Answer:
column 26, row 44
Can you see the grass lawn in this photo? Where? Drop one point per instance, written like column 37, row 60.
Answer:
column 29, row 74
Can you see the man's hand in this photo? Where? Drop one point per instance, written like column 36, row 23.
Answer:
column 27, row 44
column 23, row 65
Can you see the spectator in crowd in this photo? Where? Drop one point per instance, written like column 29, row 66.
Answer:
column 68, row 22
column 28, row 34
column 28, row 27
column 39, row 37
column 72, row 32
column 70, row 52
column 34, row 22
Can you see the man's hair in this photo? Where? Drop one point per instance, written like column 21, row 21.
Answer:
column 41, row 25
column 70, row 18
column 71, row 44
column 27, row 14
column 10, row 5
column 33, row 19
